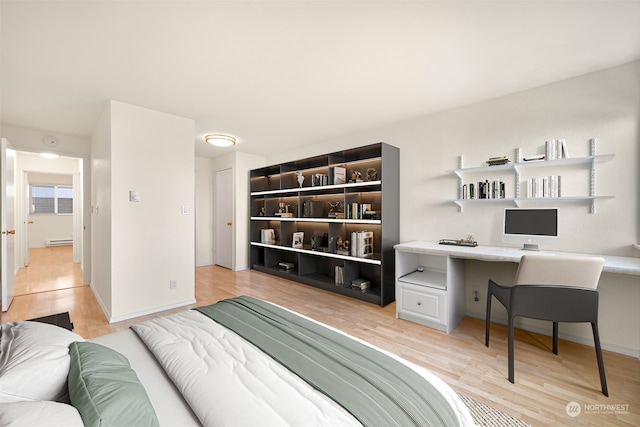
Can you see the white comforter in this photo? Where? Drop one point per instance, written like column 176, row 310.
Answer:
column 229, row 382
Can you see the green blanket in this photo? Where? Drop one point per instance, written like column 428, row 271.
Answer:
column 375, row 388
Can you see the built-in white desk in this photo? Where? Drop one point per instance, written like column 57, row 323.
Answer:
column 435, row 296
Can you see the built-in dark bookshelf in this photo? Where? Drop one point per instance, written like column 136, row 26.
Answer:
column 350, row 195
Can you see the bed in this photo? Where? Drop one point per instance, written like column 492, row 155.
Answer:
column 239, row 362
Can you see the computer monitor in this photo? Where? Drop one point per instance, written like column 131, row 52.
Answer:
column 531, row 227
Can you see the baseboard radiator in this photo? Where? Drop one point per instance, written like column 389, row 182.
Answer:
column 58, row 242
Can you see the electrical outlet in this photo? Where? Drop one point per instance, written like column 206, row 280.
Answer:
column 476, row 293
column 172, row 284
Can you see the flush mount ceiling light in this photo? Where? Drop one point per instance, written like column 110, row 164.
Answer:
column 220, row 140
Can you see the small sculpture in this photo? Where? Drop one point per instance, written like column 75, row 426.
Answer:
column 335, row 207
column 342, row 246
column 300, row 178
column 356, row 176
column 372, row 174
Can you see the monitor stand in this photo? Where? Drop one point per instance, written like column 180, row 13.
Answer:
column 530, row 247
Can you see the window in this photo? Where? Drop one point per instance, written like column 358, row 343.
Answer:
column 57, row 199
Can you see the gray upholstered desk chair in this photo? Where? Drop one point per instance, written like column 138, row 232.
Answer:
column 554, row 288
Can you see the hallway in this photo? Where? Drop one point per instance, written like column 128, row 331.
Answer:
column 50, row 269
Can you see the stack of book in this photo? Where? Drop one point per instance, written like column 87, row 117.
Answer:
column 359, row 211
column 361, row 284
column 556, row 149
column 543, row 187
column 500, row 160
column 484, row 190
column 362, row 244
column 319, row 179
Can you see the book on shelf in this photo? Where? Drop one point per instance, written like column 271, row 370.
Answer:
column 544, row 187
column 268, row 236
column 500, row 160
column 494, row 189
column 313, row 209
column 339, row 275
column 359, row 211
column 555, row 149
column 319, row 179
column 338, row 175
column 362, row 244
column 361, row 284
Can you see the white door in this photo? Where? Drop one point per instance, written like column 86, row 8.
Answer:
column 7, row 223
column 223, row 211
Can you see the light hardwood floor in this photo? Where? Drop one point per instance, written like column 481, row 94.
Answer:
column 545, row 383
column 50, row 269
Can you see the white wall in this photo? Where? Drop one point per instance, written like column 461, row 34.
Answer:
column 604, row 105
column 101, row 229
column 204, row 211
column 150, row 242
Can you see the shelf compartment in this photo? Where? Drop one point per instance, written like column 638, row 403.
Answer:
column 571, row 161
column 265, row 179
column 326, row 220
column 373, row 261
column 430, row 278
column 317, row 187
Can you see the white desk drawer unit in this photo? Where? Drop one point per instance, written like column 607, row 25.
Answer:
column 422, row 305
column 429, row 289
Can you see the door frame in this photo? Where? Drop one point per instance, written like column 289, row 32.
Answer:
column 8, row 267
column 220, row 223
column 82, row 201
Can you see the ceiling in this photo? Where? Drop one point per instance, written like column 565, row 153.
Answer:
column 279, row 75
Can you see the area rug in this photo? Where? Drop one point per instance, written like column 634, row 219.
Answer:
column 60, row 319
column 487, row 416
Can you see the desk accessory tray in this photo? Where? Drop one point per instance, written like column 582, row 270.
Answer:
column 454, row 242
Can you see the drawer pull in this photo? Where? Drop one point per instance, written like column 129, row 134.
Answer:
column 419, row 303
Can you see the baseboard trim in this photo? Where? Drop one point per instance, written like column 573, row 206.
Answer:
column 103, row 307
column 154, row 310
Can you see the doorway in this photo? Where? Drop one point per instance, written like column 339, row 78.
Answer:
column 48, row 210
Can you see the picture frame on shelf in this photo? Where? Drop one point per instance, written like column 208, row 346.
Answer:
column 298, row 238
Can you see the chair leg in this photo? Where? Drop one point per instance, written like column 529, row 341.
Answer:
column 596, row 339
column 510, row 352
column 488, row 317
column 555, row 337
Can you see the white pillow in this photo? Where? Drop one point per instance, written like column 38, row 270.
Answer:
column 34, row 361
column 39, row 414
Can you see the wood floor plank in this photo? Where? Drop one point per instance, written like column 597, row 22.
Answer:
column 544, row 383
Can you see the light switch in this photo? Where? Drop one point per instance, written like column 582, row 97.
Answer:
column 134, row 196
column 185, row 210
